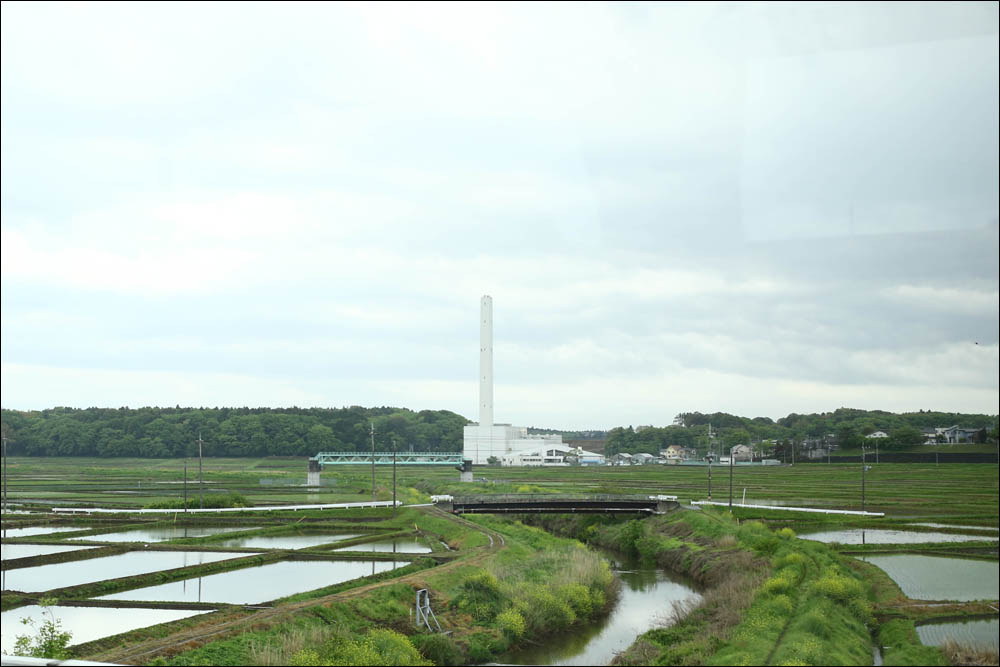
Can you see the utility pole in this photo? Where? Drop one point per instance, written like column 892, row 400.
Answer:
column 731, row 479
column 5, row 473
column 394, row 484
column 201, row 489
column 373, row 460
column 185, row 485
column 710, row 476
column 863, row 478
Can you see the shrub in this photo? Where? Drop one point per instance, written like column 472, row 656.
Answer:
column 793, row 558
column 49, row 640
column 578, row 597
column 438, row 648
column 480, row 648
column 480, row 597
column 511, row 624
column 839, row 587
column 380, row 646
column 786, row 533
column 782, row 582
column 543, row 611
column 630, row 534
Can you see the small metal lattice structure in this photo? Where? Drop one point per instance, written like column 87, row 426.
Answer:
column 424, row 613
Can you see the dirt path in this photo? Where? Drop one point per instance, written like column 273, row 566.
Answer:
column 223, row 625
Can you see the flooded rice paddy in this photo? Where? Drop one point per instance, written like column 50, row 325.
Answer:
column 86, row 623
column 886, row 536
column 931, row 524
column 254, row 585
column 401, row 545
column 59, row 575
column 646, row 597
column 26, row 550
column 31, row 531
column 979, row 632
column 162, row 534
column 286, row 541
column 940, row 578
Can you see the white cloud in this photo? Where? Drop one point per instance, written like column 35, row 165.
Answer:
column 304, row 203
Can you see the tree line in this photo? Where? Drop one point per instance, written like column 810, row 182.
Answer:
column 173, row 432
column 845, row 428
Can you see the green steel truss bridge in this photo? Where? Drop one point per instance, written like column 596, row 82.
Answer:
column 386, row 458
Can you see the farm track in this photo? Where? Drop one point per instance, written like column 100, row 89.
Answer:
column 798, row 605
column 220, row 628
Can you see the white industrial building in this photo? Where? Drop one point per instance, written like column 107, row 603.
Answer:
column 552, row 455
column 485, row 440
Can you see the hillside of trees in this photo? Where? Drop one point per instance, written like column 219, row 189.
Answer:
column 844, row 428
column 173, row 432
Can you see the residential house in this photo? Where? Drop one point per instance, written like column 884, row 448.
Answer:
column 621, row 459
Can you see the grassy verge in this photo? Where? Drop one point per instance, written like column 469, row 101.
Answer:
column 526, row 586
column 769, row 598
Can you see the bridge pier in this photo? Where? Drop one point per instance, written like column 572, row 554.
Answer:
column 312, row 479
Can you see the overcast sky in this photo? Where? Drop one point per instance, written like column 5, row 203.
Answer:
column 759, row 209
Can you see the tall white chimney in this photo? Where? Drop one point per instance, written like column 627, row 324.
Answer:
column 486, row 367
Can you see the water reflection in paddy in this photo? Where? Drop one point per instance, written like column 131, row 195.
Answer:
column 646, row 597
column 981, row 632
column 286, row 541
column 940, row 578
column 402, row 545
column 162, row 534
column 886, row 536
column 25, row 550
column 930, row 524
column 87, row 623
column 38, row 530
column 59, row 575
column 259, row 584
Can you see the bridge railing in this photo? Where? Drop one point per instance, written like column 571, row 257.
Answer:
column 384, row 458
column 554, row 497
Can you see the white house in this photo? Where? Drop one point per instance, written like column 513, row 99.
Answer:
column 877, row 434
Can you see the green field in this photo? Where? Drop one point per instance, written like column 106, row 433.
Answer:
column 700, row 544
column 966, row 491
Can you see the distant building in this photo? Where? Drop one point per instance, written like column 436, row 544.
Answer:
column 621, row 459
column 742, row 453
column 952, row 435
column 551, row 455
column 877, row 434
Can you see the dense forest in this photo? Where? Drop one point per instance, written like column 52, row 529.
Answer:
column 173, row 432
column 844, row 428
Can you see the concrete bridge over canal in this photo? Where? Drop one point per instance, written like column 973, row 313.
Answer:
column 557, row 504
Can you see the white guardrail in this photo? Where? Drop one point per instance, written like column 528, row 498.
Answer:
column 261, row 508
column 788, row 509
column 21, row 661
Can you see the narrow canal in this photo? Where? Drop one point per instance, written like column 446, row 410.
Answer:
column 646, row 601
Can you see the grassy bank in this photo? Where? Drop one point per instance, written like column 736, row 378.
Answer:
column 769, row 598
column 514, row 584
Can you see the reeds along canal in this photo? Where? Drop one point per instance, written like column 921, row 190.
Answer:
column 647, row 599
